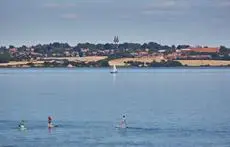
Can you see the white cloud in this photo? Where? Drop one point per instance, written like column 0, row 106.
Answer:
column 69, row 5
column 209, row 3
column 59, row 5
column 148, row 12
column 164, row 6
column 97, row 1
column 224, row 3
column 71, row 16
column 52, row 5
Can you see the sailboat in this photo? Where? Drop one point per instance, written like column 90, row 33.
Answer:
column 114, row 69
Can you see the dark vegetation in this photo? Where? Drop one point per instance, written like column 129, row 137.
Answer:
column 163, row 63
column 111, row 50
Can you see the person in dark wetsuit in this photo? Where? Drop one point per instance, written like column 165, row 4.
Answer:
column 21, row 124
column 50, row 125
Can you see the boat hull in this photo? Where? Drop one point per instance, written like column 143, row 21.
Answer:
column 113, row 72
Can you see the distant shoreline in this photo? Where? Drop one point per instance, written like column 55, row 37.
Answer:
column 120, row 63
column 104, row 61
column 123, row 67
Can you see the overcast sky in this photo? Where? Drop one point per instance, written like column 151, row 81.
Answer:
column 194, row 22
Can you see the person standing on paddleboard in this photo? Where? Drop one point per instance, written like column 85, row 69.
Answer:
column 50, row 125
column 22, row 124
column 123, row 123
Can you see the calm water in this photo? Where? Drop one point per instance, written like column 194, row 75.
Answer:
column 164, row 107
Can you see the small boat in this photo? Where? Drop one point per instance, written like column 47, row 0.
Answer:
column 70, row 66
column 114, row 69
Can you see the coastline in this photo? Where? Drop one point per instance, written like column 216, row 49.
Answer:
column 120, row 67
column 104, row 61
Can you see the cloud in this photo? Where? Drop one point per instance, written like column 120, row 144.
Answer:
column 70, row 5
column 70, row 16
column 59, row 5
column 209, row 3
column 96, row 1
column 152, row 12
column 164, row 4
column 224, row 3
column 52, row 5
column 164, row 7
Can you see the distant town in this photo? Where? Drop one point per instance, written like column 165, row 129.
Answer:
column 120, row 54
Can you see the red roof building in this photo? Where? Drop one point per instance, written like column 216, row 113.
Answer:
column 205, row 50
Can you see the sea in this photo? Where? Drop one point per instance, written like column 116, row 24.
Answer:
column 164, row 107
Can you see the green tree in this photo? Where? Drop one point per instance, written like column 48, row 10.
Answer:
column 22, row 48
column 108, row 46
column 223, row 49
column 182, row 46
column 103, row 63
column 5, row 57
column 3, row 49
column 11, row 46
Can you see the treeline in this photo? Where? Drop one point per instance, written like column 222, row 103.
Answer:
column 58, row 47
column 5, row 57
column 112, row 50
column 131, row 46
column 162, row 63
column 66, row 63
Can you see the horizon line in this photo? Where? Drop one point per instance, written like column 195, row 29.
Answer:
column 73, row 45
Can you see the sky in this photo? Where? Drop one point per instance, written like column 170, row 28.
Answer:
column 168, row 22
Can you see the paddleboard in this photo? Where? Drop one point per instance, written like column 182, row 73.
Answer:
column 118, row 127
column 52, row 126
column 22, row 128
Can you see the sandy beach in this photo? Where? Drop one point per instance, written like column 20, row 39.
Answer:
column 38, row 63
column 204, row 62
column 148, row 59
column 20, row 63
column 117, row 62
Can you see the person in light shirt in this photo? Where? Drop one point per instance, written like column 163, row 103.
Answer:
column 50, row 125
column 123, row 123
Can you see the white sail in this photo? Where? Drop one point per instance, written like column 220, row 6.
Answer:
column 114, row 69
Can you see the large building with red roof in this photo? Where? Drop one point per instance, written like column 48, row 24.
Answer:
column 205, row 50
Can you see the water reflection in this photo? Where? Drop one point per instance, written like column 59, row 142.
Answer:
column 50, row 130
column 122, row 131
column 114, row 78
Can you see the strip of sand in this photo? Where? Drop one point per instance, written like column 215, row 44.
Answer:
column 204, row 62
column 75, row 59
column 148, row 59
column 20, row 63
